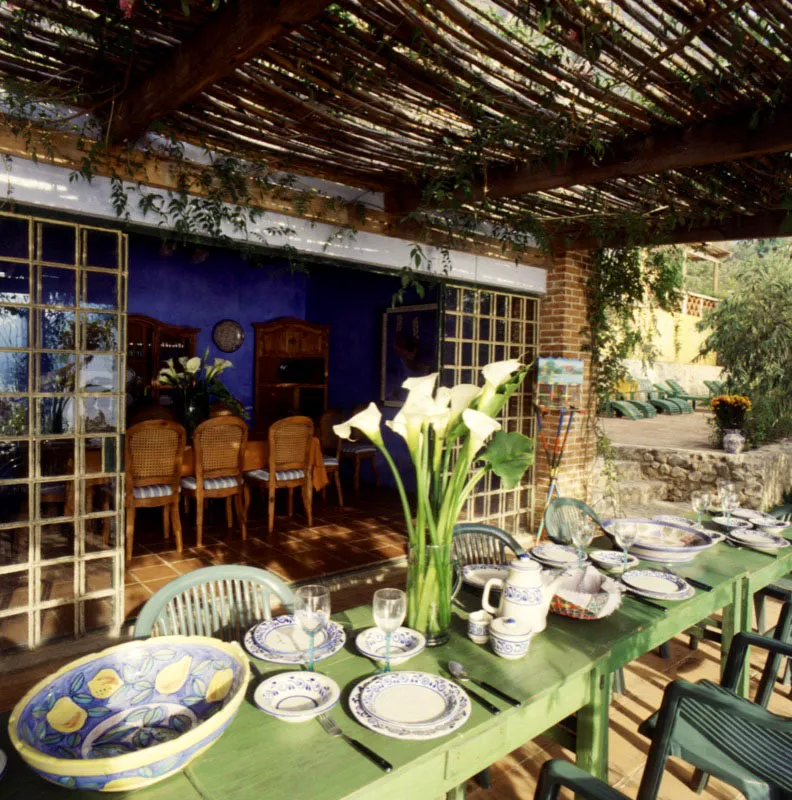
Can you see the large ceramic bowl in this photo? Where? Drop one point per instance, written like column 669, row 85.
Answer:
column 664, row 542
column 131, row 715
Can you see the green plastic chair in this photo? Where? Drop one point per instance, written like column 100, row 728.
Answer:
column 667, row 394
column 644, row 407
column 557, row 774
column 715, row 387
column 222, row 601
column 653, row 397
column 476, row 543
column 563, row 513
column 678, row 391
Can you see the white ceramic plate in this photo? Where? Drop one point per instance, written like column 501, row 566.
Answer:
column 415, row 698
column 758, row 539
column 296, row 696
column 612, row 559
column 477, row 575
column 656, row 583
column 556, row 555
column 282, row 641
column 405, row 643
column 732, row 524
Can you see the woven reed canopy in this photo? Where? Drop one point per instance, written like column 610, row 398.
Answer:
column 581, row 114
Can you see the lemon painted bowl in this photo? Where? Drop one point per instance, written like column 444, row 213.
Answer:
column 131, row 715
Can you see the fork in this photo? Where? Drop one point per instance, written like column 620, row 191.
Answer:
column 330, row 726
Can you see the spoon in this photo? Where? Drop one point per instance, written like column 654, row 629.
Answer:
column 461, row 674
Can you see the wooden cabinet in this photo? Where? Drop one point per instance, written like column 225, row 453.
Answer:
column 150, row 343
column 290, row 370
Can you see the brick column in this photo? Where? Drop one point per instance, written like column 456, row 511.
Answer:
column 562, row 317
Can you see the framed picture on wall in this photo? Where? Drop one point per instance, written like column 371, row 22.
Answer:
column 560, row 382
column 409, row 348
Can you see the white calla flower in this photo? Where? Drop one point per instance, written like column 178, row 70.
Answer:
column 192, row 365
column 417, row 411
column 421, row 387
column 462, row 395
column 480, row 425
column 366, row 421
column 498, row 372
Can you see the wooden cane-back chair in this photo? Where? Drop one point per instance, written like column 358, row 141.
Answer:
column 219, row 461
column 222, row 601
column 154, row 451
column 358, row 450
column 290, row 464
column 331, row 449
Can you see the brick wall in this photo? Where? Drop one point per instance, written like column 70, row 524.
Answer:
column 562, row 317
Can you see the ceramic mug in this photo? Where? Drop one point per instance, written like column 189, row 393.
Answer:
column 478, row 626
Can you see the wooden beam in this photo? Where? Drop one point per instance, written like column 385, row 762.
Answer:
column 765, row 225
column 728, row 138
column 226, row 40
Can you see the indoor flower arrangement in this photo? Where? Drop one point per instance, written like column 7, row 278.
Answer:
column 454, row 440
column 198, row 384
column 730, row 411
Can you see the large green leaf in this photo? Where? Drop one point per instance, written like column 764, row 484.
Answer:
column 509, row 455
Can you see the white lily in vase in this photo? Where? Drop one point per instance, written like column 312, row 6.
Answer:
column 454, row 440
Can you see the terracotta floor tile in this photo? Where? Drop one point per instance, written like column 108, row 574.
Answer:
column 156, row 585
column 190, row 565
column 147, row 560
column 134, row 598
column 146, row 574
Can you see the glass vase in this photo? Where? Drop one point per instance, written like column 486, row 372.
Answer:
column 431, row 586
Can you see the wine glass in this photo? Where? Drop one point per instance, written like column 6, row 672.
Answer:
column 730, row 502
column 390, row 608
column 312, row 609
column 626, row 534
column 700, row 502
column 724, row 487
column 582, row 536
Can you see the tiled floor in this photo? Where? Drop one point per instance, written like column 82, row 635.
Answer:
column 685, row 431
column 369, row 530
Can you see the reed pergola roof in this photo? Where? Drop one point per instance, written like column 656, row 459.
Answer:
column 583, row 115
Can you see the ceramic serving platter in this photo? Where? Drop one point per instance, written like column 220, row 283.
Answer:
column 656, row 583
column 556, row 555
column 281, row 640
column 296, row 696
column 612, row 559
column 405, row 643
column 759, row 540
column 477, row 575
column 675, row 520
column 747, row 513
column 410, row 705
column 663, row 542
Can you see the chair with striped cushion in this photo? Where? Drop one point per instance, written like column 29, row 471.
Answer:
column 219, row 445
column 290, row 464
column 360, row 450
column 153, row 453
column 331, row 449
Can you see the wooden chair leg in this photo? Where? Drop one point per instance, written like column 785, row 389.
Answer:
column 166, row 521
column 239, row 501
column 177, row 528
column 271, row 507
column 337, row 479
column 130, row 531
column 199, row 515
column 307, row 495
column 357, row 473
column 291, row 502
column 229, row 513
column 376, row 471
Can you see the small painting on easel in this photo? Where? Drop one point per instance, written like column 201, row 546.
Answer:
column 560, row 382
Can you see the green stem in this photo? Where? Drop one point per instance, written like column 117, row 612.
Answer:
column 402, row 493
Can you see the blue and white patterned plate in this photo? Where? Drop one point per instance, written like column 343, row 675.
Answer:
column 656, row 583
column 758, row 540
column 282, row 641
column 477, row 575
column 612, row 559
column 411, row 705
column 555, row 555
column 405, row 643
column 297, row 696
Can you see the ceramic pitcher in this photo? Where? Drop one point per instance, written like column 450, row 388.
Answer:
column 525, row 594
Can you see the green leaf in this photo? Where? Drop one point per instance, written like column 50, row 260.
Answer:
column 509, row 455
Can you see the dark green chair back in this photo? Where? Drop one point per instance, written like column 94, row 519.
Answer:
column 476, row 543
column 784, row 513
column 565, row 513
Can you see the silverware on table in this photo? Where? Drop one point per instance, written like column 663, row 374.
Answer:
column 330, row 726
column 461, row 674
column 692, row 581
column 482, row 701
column 646, row 601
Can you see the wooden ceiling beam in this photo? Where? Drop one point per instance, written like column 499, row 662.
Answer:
column 241, row 30
column 729, row 138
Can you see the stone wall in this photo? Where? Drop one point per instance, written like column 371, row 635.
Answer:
column 760, row 476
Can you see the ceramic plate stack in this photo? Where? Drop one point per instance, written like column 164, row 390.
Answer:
column 476, row 575
column 758, row 540
column 555, row 555
column 282, row 641
column 657, row 584
column 731, row 524
column 410, row 705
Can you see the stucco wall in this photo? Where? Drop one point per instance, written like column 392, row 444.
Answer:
column 690, row 376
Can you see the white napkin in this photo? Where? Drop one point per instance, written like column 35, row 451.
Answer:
column 588, row 588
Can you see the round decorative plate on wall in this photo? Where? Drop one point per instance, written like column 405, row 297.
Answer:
column 228, row 335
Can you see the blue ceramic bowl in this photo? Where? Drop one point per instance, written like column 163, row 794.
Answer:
column 131, row 715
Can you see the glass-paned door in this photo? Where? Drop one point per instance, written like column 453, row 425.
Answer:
column 480, row 326
column 62, row 335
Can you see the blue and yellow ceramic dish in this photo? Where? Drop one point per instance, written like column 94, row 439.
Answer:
column 131, row 715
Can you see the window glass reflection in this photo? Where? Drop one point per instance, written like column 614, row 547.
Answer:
column 98, row 374
column 14, row 282
column 14, row 416
column 57, row 372
column 14, row 326
column 100, row 290
column 58, row 286
column 13, row 372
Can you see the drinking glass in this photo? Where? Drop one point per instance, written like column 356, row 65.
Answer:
column 724, row 487
column 700, row 501
column 312, row 609
column 626, row 533
column 729, row 501
column 582, row 536
column 390, row 608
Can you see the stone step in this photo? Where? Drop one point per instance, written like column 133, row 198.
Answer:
column 629, row 470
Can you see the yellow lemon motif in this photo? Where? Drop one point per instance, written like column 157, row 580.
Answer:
column 105, row 683
column 66, row 716
column 124, row 784
column 219, row 686
column 172, row 678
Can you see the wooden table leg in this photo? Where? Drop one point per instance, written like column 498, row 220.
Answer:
column 592, row 727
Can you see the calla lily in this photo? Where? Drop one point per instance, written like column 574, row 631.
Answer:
column 193, row 364
column 456, row 400
column 462, row 395
column 366, row 421
column 421, row 387
column 499, row 372
column 416, row 411
column 480, row 425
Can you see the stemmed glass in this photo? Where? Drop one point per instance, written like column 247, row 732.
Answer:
column 730, row 502
column 700, row 501
column 626, row 534
column 582, row 536
column 724, row 487
column 312, row 609
column 390, row 609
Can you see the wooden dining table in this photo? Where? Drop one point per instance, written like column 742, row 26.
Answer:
column 568, row 670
